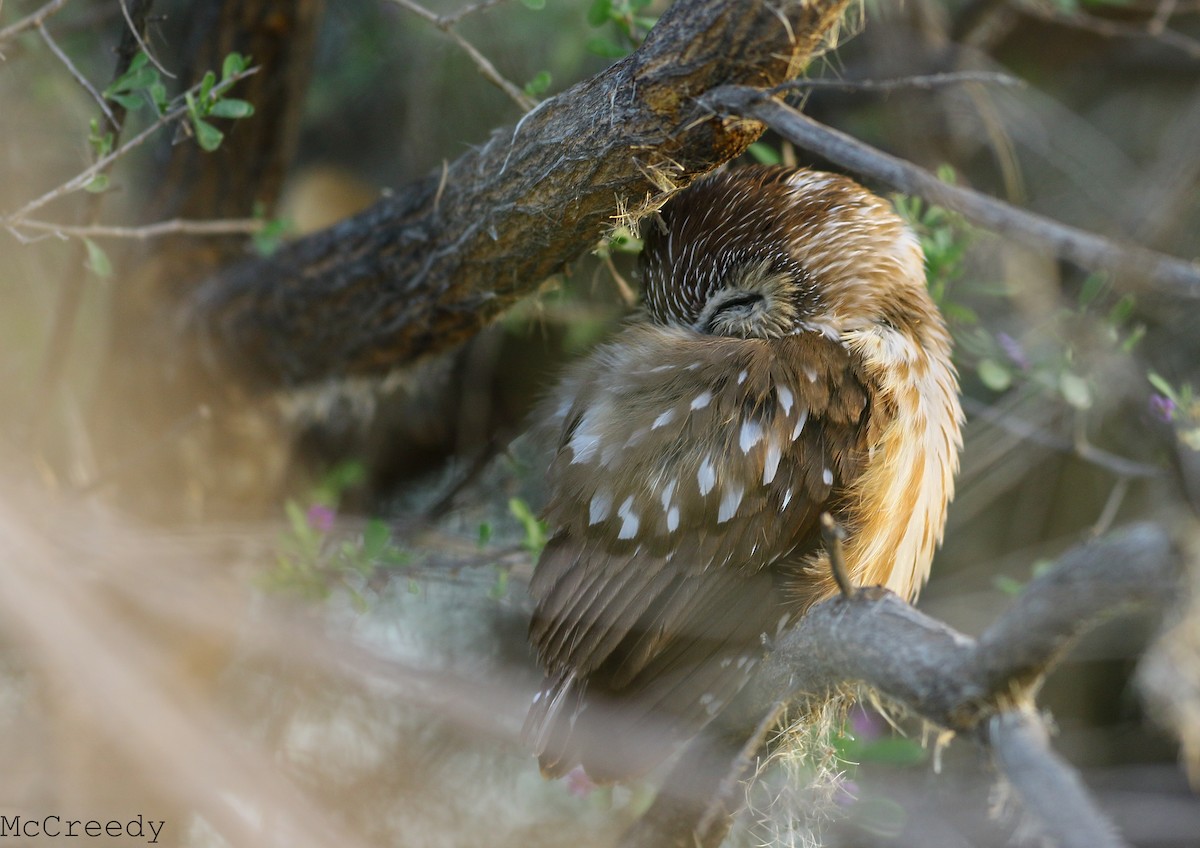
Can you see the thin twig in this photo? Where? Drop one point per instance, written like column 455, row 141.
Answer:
column 1162, row 16
column 923, row 82
column 1118, row 465
column 133, row 28
column 175, row 226
column 78, row 75
column 485, row 67
column 1167, row 274
column 624, row 290
column 80, row 180
column 35, row 20
column 454, row 17
column 1113, row 29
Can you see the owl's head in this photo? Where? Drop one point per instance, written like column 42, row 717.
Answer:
column 767, row 252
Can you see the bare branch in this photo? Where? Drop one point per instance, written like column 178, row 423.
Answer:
column 78, row 75
column 485, row 67
column 929, row 81
column 176, row 226
column 1155, row 30
column 30, row 21
column 1163, row 273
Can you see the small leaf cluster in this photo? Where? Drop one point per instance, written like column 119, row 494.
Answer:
column 945, row 238
column 313, row 559
column 211, row 102
column 142, row 84
column 626, row 18
column 139, row 84
column 1077, row 341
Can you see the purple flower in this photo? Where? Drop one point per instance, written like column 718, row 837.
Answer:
column 1013, row 350
column 1161, row 407
column 320, row 517
column 578, row 783
column 866, row 724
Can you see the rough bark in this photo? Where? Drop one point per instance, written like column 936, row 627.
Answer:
column 428, row 267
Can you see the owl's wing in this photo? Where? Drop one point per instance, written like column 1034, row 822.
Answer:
column 691, row 472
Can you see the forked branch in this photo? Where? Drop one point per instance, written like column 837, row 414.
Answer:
column 982, row 688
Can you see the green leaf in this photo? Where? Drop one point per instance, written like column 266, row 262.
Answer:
column 97, row 261
column 130, row 102
column 764, row 154
column 1075, row 390
column 97, row 184
column 599, row 12
column 1163, row 386
column 1008, row 585
column 1121, row 310
column 1134, row 337
column 535, row 530
column 535, row 5
column 302, row 532
column 231, row 107
column 485, row 534
column 376, row 537
column 893, row 750
column 604, row 47
column 158, row 94
column 207, row 136
column 538, row 85
column 206, row 87
column 960, row 314
column 1092, row 288
column 270, row 237
column 139, row 75
column 994, row 375
column 233, row 65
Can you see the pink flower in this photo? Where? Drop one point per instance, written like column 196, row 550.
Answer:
column 321, row 517
column 1161, row 407
column 578, row 783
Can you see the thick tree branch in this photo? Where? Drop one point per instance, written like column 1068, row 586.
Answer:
column 1163, row 273
column 1047, row 785
column 428, row 267
column 982, row 688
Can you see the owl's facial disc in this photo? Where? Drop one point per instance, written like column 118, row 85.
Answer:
column 757, row 302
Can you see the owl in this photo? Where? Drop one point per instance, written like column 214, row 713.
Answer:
column 786, row 361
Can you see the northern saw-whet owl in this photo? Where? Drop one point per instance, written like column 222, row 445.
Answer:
column 787, row 361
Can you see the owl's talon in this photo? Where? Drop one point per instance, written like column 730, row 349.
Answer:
column 833, row 535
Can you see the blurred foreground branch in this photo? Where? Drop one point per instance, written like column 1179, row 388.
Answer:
column 983, row 688
column 426, row 268
column 1161, row 272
